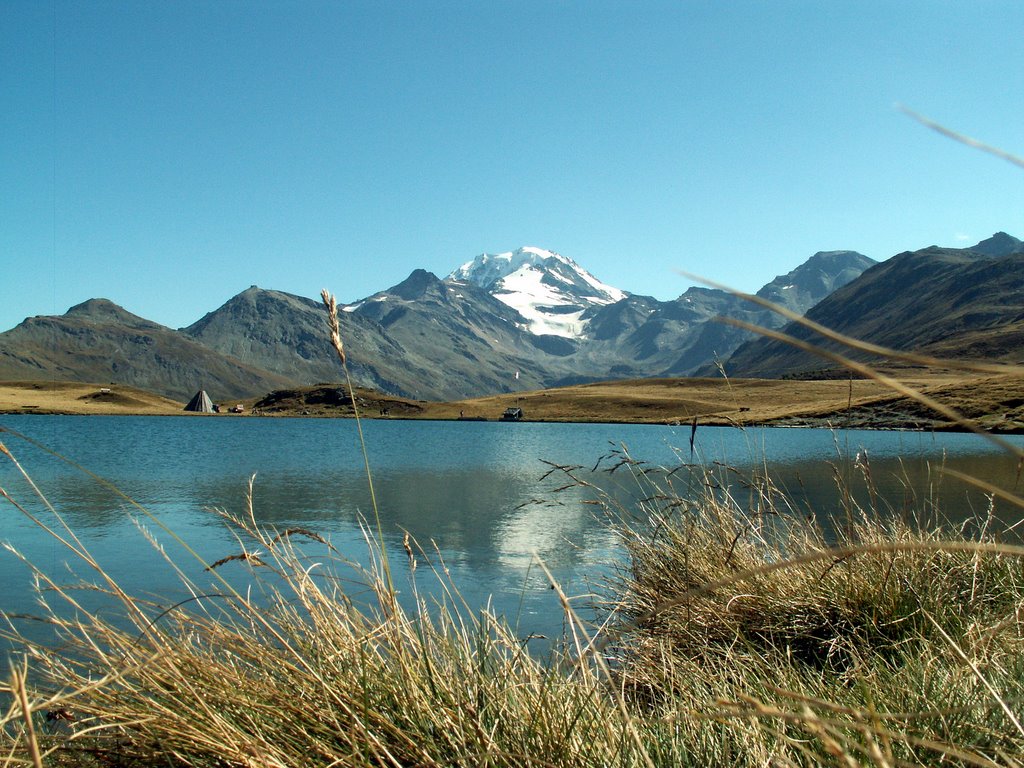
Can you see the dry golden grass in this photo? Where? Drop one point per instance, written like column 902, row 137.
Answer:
column 996, row 401
column 712, row 401
column 77, row 398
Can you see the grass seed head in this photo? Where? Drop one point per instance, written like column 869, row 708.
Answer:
column 331, row 304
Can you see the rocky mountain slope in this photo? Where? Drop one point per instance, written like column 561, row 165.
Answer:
column 285, row 334
column 519, row 320
column 957, row 303
column 423, row 338
column 98, row 341
column 710, row 340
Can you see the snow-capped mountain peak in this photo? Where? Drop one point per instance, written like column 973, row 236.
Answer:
column 550, row 290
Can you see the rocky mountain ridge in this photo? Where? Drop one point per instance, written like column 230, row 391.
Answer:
column 98, row 341
column 947, row 302
column 525, row 319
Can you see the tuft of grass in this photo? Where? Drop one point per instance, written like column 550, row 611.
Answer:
column 767, row 637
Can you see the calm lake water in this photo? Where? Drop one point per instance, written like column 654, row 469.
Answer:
column 473, row 490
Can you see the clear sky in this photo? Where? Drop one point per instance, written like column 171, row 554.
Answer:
column 168, row 155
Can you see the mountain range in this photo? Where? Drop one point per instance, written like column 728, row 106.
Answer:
column 945, row 302
column 525, row 319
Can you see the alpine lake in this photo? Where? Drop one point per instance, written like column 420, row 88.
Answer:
column 488, row 508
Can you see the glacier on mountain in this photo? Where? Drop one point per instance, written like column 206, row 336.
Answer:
column 549, row 290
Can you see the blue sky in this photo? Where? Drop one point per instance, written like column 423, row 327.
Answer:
column 168, row 155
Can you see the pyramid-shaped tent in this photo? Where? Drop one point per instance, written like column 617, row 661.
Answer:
column 200, row 403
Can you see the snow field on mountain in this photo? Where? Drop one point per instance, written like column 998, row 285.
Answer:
column 517, row 278
column 525, row 292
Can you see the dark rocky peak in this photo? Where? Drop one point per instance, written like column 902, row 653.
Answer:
column 254, row 295
column 836, row 260
column 821, row 274
column 699, row 301
column 248, row 299
column 1000, row 244
column 417, row 285
column 816, row 278
column 250, row 295
column 698, row 294
column 254, row 305
column 106, row 312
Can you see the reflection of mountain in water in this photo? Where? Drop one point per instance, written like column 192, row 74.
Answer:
column 472, row 490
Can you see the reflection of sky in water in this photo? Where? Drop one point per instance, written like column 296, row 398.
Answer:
column 470, row 489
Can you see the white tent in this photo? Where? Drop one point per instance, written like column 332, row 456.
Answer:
column 200, row 403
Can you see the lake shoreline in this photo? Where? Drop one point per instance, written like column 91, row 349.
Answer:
column 838, row 422
column 994, row 403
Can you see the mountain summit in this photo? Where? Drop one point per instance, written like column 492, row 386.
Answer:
column 549, row 290
column 1000, row 244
